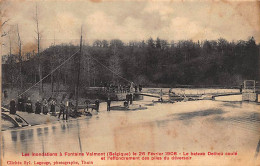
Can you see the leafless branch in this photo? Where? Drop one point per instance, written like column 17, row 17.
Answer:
column 5, row 22
column 4, row 34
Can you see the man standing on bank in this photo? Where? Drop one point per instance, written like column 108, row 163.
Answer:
column 53, row 104
column 38, row 107
column 62, row 110
column 20, row 104
column 28, row 106
column 45, row 106
column 12, row 107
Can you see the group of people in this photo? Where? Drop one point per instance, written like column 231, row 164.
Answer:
column 129, row 100
column 87, row 103
column 96, row 105
column 24, row 105
column 140, row 88
column 65, row 107
column 44, row 107
column 121, row 88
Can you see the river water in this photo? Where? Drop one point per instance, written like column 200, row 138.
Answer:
column 182, row 127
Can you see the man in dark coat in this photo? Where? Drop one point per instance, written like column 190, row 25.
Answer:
column 45, row 106
column 97, row 104
column 38, row 107
column 140, row 88
column 28, row 106
column 125, row 104
column 62, row 110
column 241, row 88
column 127, row 99
column 53, row 104
column 108, row 103
column 131, row 98
column 135, row 88
column 87, row 103
column 12, row 107
column 20, row 104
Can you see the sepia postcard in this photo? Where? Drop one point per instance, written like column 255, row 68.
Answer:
column 130, row 82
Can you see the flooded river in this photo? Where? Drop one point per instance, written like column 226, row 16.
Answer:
column 183, row 127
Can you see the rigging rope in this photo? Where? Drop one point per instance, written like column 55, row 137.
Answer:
column 68, row 60
column 108, row 68
column 50, row 73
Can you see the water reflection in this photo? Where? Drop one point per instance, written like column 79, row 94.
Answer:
column 39, row 131
column 53, row 129
column 2, row 146
column 190, row 115
column 46, row 130
column 30, row 134
column 78, row 127
column 24, row 142
column 14, row 135
column 22, row 135
column 63, row 127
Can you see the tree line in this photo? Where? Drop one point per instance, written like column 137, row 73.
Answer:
column 155, row 63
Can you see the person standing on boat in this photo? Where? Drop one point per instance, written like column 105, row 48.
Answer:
column 161, row 94
column 108, row 103
column 38, row 107
column 87, row 102
column 131, row 98
column 12, row 107
column 241, row 88
column 127, row 98
column 28, row 106
column 135, row 88
column 131, row 88
column 45, row 106
column 125, row 104
column 140, row 88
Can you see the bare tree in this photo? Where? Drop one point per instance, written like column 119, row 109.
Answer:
column 52, row 66
column 11, row 60
column 4, row 21
column 4, row 33
column 38, row 33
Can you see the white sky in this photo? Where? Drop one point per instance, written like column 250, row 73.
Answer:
column 131, row 20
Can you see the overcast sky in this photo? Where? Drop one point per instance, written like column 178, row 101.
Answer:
column 128, row 21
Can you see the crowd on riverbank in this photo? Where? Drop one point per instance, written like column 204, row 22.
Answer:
column 66, row 106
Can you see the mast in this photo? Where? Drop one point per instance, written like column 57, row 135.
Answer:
column 78, row 76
